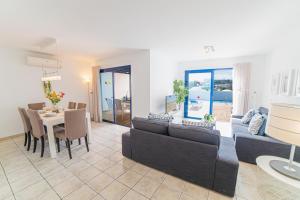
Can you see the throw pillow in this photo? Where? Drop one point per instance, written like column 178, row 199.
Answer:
column 248, row 116
column 162, row 117
column 255, row 124
column 262, row 129
column 202, row 123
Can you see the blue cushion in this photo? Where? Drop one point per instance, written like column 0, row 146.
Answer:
column 262, row 129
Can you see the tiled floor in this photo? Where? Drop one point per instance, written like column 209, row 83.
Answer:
column 103, row 173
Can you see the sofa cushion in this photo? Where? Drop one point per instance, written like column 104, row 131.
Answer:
column 236, row 121
column 195, row 133
column 255, row 124
column 262, row 129
column 248, row 116
column 154, row 126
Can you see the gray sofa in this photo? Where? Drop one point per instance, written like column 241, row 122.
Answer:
column 194, row 154
column 249, row 147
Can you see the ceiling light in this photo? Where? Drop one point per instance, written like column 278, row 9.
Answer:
column 51, row 78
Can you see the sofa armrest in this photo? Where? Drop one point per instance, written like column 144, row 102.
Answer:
column 237, row 116
column 249, row 147
column 227, row 166
column 126, row 145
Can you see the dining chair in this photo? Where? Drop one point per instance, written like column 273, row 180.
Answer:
column 75, row 128
column 38, row 131
column 26, row 126
column 72, row 105
column 81, row 106
column 37, row 106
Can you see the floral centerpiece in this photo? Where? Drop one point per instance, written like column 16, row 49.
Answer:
column 55, row 98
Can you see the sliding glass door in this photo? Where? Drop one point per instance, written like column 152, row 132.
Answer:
column 116, row 95
column 210, row 92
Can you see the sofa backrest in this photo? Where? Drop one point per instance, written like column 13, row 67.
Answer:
column 194, row 133
column 154, row 126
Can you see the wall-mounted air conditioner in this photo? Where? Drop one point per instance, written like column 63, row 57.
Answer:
column 43, row 62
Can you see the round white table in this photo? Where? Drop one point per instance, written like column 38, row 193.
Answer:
column 274, row 185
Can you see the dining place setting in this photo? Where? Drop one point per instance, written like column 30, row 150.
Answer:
column 55, row 125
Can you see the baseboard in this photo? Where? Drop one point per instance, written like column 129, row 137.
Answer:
column 11, row 136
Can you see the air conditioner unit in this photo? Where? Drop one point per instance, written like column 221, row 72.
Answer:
column 43, row 62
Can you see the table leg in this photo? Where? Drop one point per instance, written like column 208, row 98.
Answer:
column 51, row 141
column 89, row 127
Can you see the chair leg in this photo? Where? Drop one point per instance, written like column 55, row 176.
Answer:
column 86, row 143
column 71, row 142
column 43, row 146
column 79, row 141
column 57, row 144
column 34, row 143
column 69, row 148
column 25, row 141
column 29, row 141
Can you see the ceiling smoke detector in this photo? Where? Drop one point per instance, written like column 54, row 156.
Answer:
column 209, row 49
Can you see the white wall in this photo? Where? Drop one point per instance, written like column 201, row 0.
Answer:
column 163, row 72
column 21, row 84
column 283, row 57
column 257, row 79
column 140, row 78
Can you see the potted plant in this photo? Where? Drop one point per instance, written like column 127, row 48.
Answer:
column 180, row 91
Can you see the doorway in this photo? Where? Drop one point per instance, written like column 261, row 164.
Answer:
column 116, row 95
column 210, row 92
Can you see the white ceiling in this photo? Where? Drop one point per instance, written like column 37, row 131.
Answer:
column 98, row 29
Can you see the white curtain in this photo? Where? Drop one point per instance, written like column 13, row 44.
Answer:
column 241, row 84
column 96, row 113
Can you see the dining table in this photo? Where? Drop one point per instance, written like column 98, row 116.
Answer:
column 53, row 119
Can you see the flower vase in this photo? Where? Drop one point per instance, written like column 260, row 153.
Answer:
column 55, row 108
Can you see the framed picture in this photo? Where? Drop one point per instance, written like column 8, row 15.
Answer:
column 297, row 83
column 275, row 84
column 286, row 82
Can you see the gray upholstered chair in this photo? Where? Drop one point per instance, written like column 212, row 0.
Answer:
column 75, row 128
column 72, row 105
column 26, row 126
column 81, row 106
column 37, row 106
column 38, row 131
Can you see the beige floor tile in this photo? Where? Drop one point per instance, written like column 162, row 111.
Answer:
column 25, row 181
column 18, row 174
column 59, row 177
column 85, row 192
column 5, row 191
column 217, row 196
column 186, row 197
column 247, row 191
column 100, row 182
column 116, row 171
column 78, row 167
column 146, row 186
column 88, row 174
column 91, row 157
column 34, row 191
column 127, row 162
column 115, row 191
column 156, row 175
column 98, row 197
column 116, row 157
column 141, row 169
column 130, row 178
column 133, row 195
column 174, row 183
column 49, row 195
column 165, row 193
column 104, row 164
column 68, row 186
column 195, row 191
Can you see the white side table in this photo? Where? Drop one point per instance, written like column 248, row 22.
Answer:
column 272, row 184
